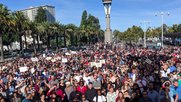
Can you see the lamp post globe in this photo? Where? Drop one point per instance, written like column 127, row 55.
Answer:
column 108, row 31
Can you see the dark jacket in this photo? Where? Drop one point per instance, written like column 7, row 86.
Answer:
column 90, row 94
column 75, row 95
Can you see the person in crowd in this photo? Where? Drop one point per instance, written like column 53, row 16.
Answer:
column 120, row 97
column 28, row 98
column 75, row 94
column 16, row 97
column 96, row 71
column 68, row 89
column 90, row 92
column 81, row 87
column 99, row 97
column 112, row 95
column 152, row 93
column 145, row 97
column 177, row 88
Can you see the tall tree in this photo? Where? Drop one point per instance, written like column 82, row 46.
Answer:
column 41, row 15
column 71, row 29
column 116, row 34
column 21, row 24
column 83, row 27
column 4, row 21
column 32, row 29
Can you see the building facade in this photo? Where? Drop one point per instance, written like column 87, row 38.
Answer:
column 31, row 13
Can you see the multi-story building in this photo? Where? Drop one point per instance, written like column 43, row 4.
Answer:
column 31, row 13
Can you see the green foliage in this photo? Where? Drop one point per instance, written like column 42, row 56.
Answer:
column 83, row 20
column 89, row 28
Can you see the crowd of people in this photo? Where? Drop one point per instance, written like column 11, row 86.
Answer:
column 99, row 73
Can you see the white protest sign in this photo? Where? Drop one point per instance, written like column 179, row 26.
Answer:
column 92, row 64
column 48, row 58
column 44, row 55
column 103, row 61
column 73, row 52
column 64, row 60
column 98, row 64
column 53, row 60
column 23, row 69
column 34, row 59
column 68, row 54
column 32, row 70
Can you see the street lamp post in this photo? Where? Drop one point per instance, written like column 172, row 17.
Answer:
column 162, row 15
column 108, row 31
column 145, row 22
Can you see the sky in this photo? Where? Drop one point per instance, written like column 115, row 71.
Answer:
column 124, row 13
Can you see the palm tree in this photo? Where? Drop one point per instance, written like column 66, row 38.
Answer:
column 40, row 32
column 5, row 22
column 21, row 24
column 71, row 29
column 56, row 28
column 64, row 34
column 32, row 29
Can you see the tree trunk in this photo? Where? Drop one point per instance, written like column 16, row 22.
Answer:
column 34, row 45
column 1, row 48
column 65, row 45
column 57, row 40
column 25, row 41
column 37, row 39
column 76, row 39
column 20, row 42
column 48, row 42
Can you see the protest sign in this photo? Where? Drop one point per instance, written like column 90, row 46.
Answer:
column 92, row 64
column 64, row 60
column 148, row 61
column 98, row 64
column 32, row 70
column 73, row 52
column 68, row 54
column 23, row 69
column 34, row 59
column 48, row 58
column 102, row 61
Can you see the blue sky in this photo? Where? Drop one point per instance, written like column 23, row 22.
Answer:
column 124, row 13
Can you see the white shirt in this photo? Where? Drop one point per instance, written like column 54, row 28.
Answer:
column 87, row 79
column 100, row 99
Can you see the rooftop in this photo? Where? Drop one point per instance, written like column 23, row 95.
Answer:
column 31, row 7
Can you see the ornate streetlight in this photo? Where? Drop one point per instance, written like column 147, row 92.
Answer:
column 108, row 31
